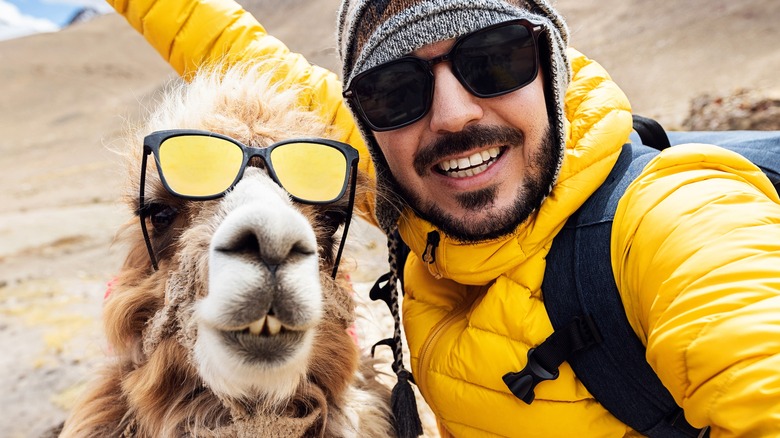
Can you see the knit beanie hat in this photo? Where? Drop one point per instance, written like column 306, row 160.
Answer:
column 372, row 32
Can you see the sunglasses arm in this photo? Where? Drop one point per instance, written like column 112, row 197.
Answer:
column 141, row 210
column 350, row 206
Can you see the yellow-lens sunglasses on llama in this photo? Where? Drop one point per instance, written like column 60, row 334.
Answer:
column 204, row 165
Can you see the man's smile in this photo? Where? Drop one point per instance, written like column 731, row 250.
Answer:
column 469, row 165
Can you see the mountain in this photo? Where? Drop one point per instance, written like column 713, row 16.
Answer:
column 83, row 15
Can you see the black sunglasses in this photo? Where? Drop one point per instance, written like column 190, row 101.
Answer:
column 202, row 165
column 489, row 62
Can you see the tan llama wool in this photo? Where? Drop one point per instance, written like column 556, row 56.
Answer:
column 241, row 330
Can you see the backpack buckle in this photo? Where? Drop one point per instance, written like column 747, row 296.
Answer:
column 523, row 382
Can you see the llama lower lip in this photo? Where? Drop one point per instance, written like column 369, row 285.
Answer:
column 266, row 349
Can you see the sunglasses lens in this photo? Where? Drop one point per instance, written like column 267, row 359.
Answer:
column 497, row 61
column 311, row 172
column 393, row 94
column 198, row 165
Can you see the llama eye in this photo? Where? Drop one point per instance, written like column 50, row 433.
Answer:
column 161, row 216
column 332, row 219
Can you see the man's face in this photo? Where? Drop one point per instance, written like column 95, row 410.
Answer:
column 474, row 167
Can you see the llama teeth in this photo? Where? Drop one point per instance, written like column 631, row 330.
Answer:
column 256, row 327
column 274, row 325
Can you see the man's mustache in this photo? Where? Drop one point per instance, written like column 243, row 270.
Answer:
column 454, row 143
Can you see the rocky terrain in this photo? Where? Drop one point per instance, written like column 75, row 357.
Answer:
column 699, row 64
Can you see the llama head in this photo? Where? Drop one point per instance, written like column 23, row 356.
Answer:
column 242, row 299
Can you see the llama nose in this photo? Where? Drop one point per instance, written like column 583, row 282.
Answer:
column 257, row 241
column 272, row 247
column 263, row 226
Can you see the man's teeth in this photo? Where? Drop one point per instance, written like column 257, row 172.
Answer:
column 471, row 165
column 268, row 324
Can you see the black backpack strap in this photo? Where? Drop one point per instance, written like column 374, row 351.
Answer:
column 651, row 132
column 579, row 282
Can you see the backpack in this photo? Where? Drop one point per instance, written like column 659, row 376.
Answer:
column 592, row 332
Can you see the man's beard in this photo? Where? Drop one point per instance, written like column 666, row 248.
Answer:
column 539, row 177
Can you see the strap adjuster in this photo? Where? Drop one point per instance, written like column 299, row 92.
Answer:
column 523, row 382
column 581, row 333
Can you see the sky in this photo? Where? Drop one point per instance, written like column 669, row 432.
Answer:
column 24, row 17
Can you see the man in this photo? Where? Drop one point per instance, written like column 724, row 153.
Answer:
column 486, row 133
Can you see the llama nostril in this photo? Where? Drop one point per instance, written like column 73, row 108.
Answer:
column 246, row 244
column 302, row 248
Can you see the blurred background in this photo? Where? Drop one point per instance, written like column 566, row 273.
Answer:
column 74, row 75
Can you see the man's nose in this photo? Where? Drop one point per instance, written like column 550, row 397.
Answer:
column 453, row 107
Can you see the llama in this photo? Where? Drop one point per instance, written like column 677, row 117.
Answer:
column 242, row 329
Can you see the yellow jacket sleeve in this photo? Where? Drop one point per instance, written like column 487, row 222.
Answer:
column 192, row 33
column 696, row 252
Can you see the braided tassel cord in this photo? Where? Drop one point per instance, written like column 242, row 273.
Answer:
column 403, row 402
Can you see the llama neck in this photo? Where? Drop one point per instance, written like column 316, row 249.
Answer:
column 305, row 416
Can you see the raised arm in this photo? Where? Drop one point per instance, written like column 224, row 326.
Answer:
column 696, row 254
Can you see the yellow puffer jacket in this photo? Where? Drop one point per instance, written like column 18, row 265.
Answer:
column 695, row 252
column 698, row 219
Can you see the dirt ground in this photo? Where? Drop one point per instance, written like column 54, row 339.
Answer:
column 66, row 96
